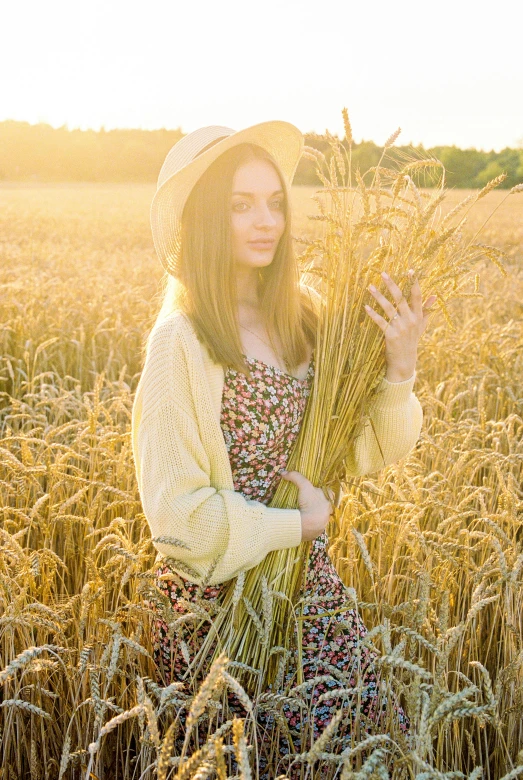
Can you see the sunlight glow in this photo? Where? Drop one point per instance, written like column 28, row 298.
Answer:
column 168, row 64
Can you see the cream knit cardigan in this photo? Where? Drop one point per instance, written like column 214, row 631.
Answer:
column 208, row 530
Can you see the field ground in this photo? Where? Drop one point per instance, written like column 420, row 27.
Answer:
column 433, row 545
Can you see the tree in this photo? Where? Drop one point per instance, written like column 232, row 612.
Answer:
column 461, row 165
column 492, row 170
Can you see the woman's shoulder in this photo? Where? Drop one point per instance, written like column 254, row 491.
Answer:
column 169, row 333
column 170, row 363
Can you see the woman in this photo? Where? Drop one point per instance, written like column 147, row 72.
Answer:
column 228, row 370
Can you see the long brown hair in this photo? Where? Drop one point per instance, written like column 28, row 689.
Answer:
column 206, row 289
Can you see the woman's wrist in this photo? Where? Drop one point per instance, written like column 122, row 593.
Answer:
column 396, row 375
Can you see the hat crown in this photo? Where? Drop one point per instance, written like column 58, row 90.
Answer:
column 187, row 148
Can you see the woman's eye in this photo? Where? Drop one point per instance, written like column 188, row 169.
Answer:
column 277, row 204
column 241, row 206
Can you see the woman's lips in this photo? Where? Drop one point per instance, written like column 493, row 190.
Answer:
column 262, row 244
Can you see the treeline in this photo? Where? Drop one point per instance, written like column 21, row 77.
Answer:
column 41, row 153
column 464, row 168
column 47, row 154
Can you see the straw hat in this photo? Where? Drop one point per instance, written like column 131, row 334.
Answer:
column 190, row 157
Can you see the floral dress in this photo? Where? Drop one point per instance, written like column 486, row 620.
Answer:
column 260, row 419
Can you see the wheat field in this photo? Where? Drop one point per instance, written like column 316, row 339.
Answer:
column 432, row 546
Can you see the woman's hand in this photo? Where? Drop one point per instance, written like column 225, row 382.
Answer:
column 403, row 328
column 314, row 507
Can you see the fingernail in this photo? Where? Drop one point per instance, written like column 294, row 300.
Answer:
column 283, row 471
column 385, row 275
column 372, row 288
column 411, row 272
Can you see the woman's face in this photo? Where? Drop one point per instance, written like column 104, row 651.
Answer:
column 257, row 213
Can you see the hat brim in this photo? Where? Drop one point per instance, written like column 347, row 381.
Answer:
column 282, row 140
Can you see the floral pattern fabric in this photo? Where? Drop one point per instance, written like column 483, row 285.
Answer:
column 260, row 420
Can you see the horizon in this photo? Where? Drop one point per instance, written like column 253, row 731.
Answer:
column 179, row 128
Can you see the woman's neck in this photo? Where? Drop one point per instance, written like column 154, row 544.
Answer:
column 249, row 303
column 247, row 282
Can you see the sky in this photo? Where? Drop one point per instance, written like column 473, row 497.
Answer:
column 446, row 72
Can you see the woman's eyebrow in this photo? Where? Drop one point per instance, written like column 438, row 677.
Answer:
column 251, row 194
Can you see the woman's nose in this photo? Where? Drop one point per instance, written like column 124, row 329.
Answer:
column 264, row 217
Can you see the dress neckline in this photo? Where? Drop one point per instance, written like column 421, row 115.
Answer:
column 279, row 370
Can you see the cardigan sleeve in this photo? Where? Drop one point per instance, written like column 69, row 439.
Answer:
column 203, row 529
column 390, row 431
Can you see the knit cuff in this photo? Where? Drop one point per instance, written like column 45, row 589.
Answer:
column 283, row 527
column 391, row 395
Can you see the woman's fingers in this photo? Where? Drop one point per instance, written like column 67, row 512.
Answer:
column 401, row 305
column 378, row 319
column 431, row 300
column 399, row 298
column 417, row 311
column 385, row 304
column 416, row 300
